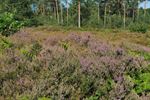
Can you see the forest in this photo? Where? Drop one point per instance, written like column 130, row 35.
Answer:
column 74, row 50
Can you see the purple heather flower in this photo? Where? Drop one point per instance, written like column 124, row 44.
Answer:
column 52, row 40
column 119, row 78
column 86, row 64
column 85, row 38
column 75, row 37
column 99, row 47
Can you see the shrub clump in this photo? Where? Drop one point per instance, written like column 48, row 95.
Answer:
column 138, row 27
column 8, row 24
column 5, row 43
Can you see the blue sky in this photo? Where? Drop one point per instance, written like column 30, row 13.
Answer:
column 142, row 5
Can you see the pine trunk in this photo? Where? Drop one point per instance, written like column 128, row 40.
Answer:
column 105, row 15
column 57, row 13
column 145, row 7
column 61, row 13
column 79, row 15
column 124, row 19
column 67, row 11
column 98, row 13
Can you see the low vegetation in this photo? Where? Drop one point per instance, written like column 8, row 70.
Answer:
column 74, row 50
column 72, row 66
column 138, row 27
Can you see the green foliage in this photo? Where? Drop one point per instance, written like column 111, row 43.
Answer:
column 87, row 86
column 144, row 19
column 5, row 43
column 8, row 24
column 93, row 22
column 141, row 78
column 146, row 55
column 65, row 45
column 142, row 83
column 42, row 12
column 23, row 98
column 32, row 22
column 138, row 27
column 95, row 97
column 44, row 98
column 29, row 98
column 102, row 90
column 115, row 23
column 31, row 53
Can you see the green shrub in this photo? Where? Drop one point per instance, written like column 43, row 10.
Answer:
column 87, row 86
column 116, row 23
column 8, row 24
column 23, row 97
column 32, row 22
column 4, row 44
column 65, row 45
column 138, row 27
column 146, row 55
column 142, row 83
column 44, row 98
column 93, row 22
column 102, row 90
column 31, row 53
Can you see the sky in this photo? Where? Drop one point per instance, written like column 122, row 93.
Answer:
column 69, row 1
column 142, row 5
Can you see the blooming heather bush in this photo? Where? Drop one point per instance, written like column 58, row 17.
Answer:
column 53, row 40
column 22, row 38
column 85, row 38
column 75, row 37
column 77, row 67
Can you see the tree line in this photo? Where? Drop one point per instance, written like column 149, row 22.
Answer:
column 81, row 13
